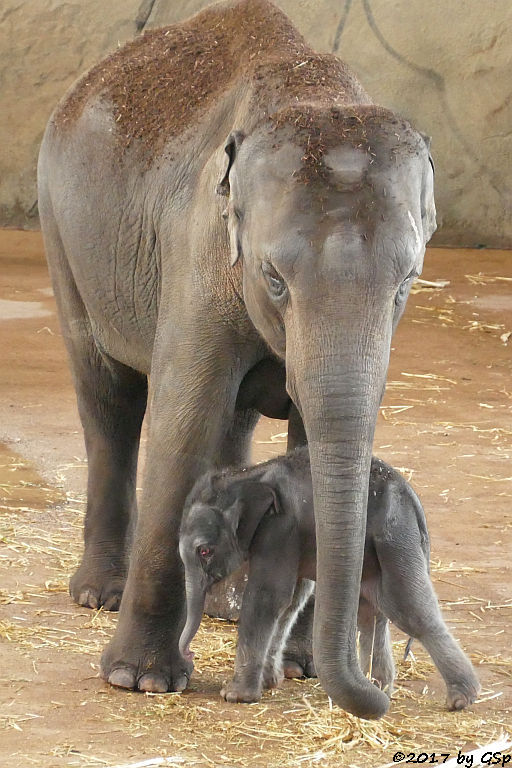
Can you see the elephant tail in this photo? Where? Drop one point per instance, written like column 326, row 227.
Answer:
column 408, row 648
column 421, row 522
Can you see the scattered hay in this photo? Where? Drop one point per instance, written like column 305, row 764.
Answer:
column 280, row 437
column 435, row 376
column 436, row 566
column 428, row 286
column 292, row 726
column 478, row 325
column 481, row 279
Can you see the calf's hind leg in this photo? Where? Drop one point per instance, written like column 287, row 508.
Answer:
column 376, row 656
column 409, row 601
column 273, row 671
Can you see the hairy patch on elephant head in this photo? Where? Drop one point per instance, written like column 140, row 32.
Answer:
column 375, row 132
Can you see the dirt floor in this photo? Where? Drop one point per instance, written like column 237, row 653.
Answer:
column 446, row 422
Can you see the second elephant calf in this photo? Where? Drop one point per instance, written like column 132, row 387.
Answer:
column 265, row 515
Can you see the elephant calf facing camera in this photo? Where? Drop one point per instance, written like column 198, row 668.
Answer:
column 265, row 515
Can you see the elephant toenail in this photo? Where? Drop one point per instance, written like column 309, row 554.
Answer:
column 121, row 678
column 88, row 599
column 112, row 603
column 181, row 682
column 152, row 684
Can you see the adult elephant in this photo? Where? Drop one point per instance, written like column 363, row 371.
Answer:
column 220, row 203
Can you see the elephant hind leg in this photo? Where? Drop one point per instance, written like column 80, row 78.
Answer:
column 409, row 601
column 111, row 401
column 235, row 450
column 298, row 655
column 375, row 652
column 275, row 667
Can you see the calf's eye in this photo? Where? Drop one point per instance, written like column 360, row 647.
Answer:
column 204, row 552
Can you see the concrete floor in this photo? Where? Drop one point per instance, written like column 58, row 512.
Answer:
column 446, row 421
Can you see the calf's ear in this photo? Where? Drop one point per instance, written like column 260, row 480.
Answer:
column 253, row 501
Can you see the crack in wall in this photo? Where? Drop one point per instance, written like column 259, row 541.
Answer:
column 437, row 81
column 341, row 26
column 143, row 14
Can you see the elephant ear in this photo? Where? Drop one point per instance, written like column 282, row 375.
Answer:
column 235, row 246
column 224, row 188
column 428, row 207
column 428, row 141
column 233, row 143
column 253, row 501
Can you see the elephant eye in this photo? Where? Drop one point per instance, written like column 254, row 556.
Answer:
column 204, row 552
column 404, row 287
column 275, row 282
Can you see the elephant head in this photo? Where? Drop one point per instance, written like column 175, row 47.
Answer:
column 218, row 523
column 329, row 211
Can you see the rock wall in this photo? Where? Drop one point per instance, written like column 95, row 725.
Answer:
column 445, row 64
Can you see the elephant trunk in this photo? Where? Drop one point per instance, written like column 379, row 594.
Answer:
column 338, row 393
column 196, row 596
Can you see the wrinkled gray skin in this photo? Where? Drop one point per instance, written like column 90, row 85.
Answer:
column 290, row 303
column 265, row 515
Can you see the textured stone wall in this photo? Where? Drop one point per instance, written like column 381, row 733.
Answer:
column 445, row 64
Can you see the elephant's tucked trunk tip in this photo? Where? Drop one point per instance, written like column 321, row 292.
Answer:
column 359, row 697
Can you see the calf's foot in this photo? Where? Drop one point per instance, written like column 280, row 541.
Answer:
column 383, row 673
column 298, row 664
column 236, row 692
column 272, row 677
column 298, row 654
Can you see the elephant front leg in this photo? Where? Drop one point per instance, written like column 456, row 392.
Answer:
column 188, row 417
column 259, row 618
column 266, row 606
column 298, row 653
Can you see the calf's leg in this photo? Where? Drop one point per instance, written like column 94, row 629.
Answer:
column 274, row 672
column 409, row 601
column 375, row 653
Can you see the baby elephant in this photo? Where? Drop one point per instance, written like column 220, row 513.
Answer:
column 265, row 515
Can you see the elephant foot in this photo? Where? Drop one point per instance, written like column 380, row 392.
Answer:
column 298, row 660
column 299, row 669
column 383, row 674
column 98, row 587
column 460, row 697
column 144, row 666
column 384, row 684
column 298, row 654
column 238, row 693
column 272, row 677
